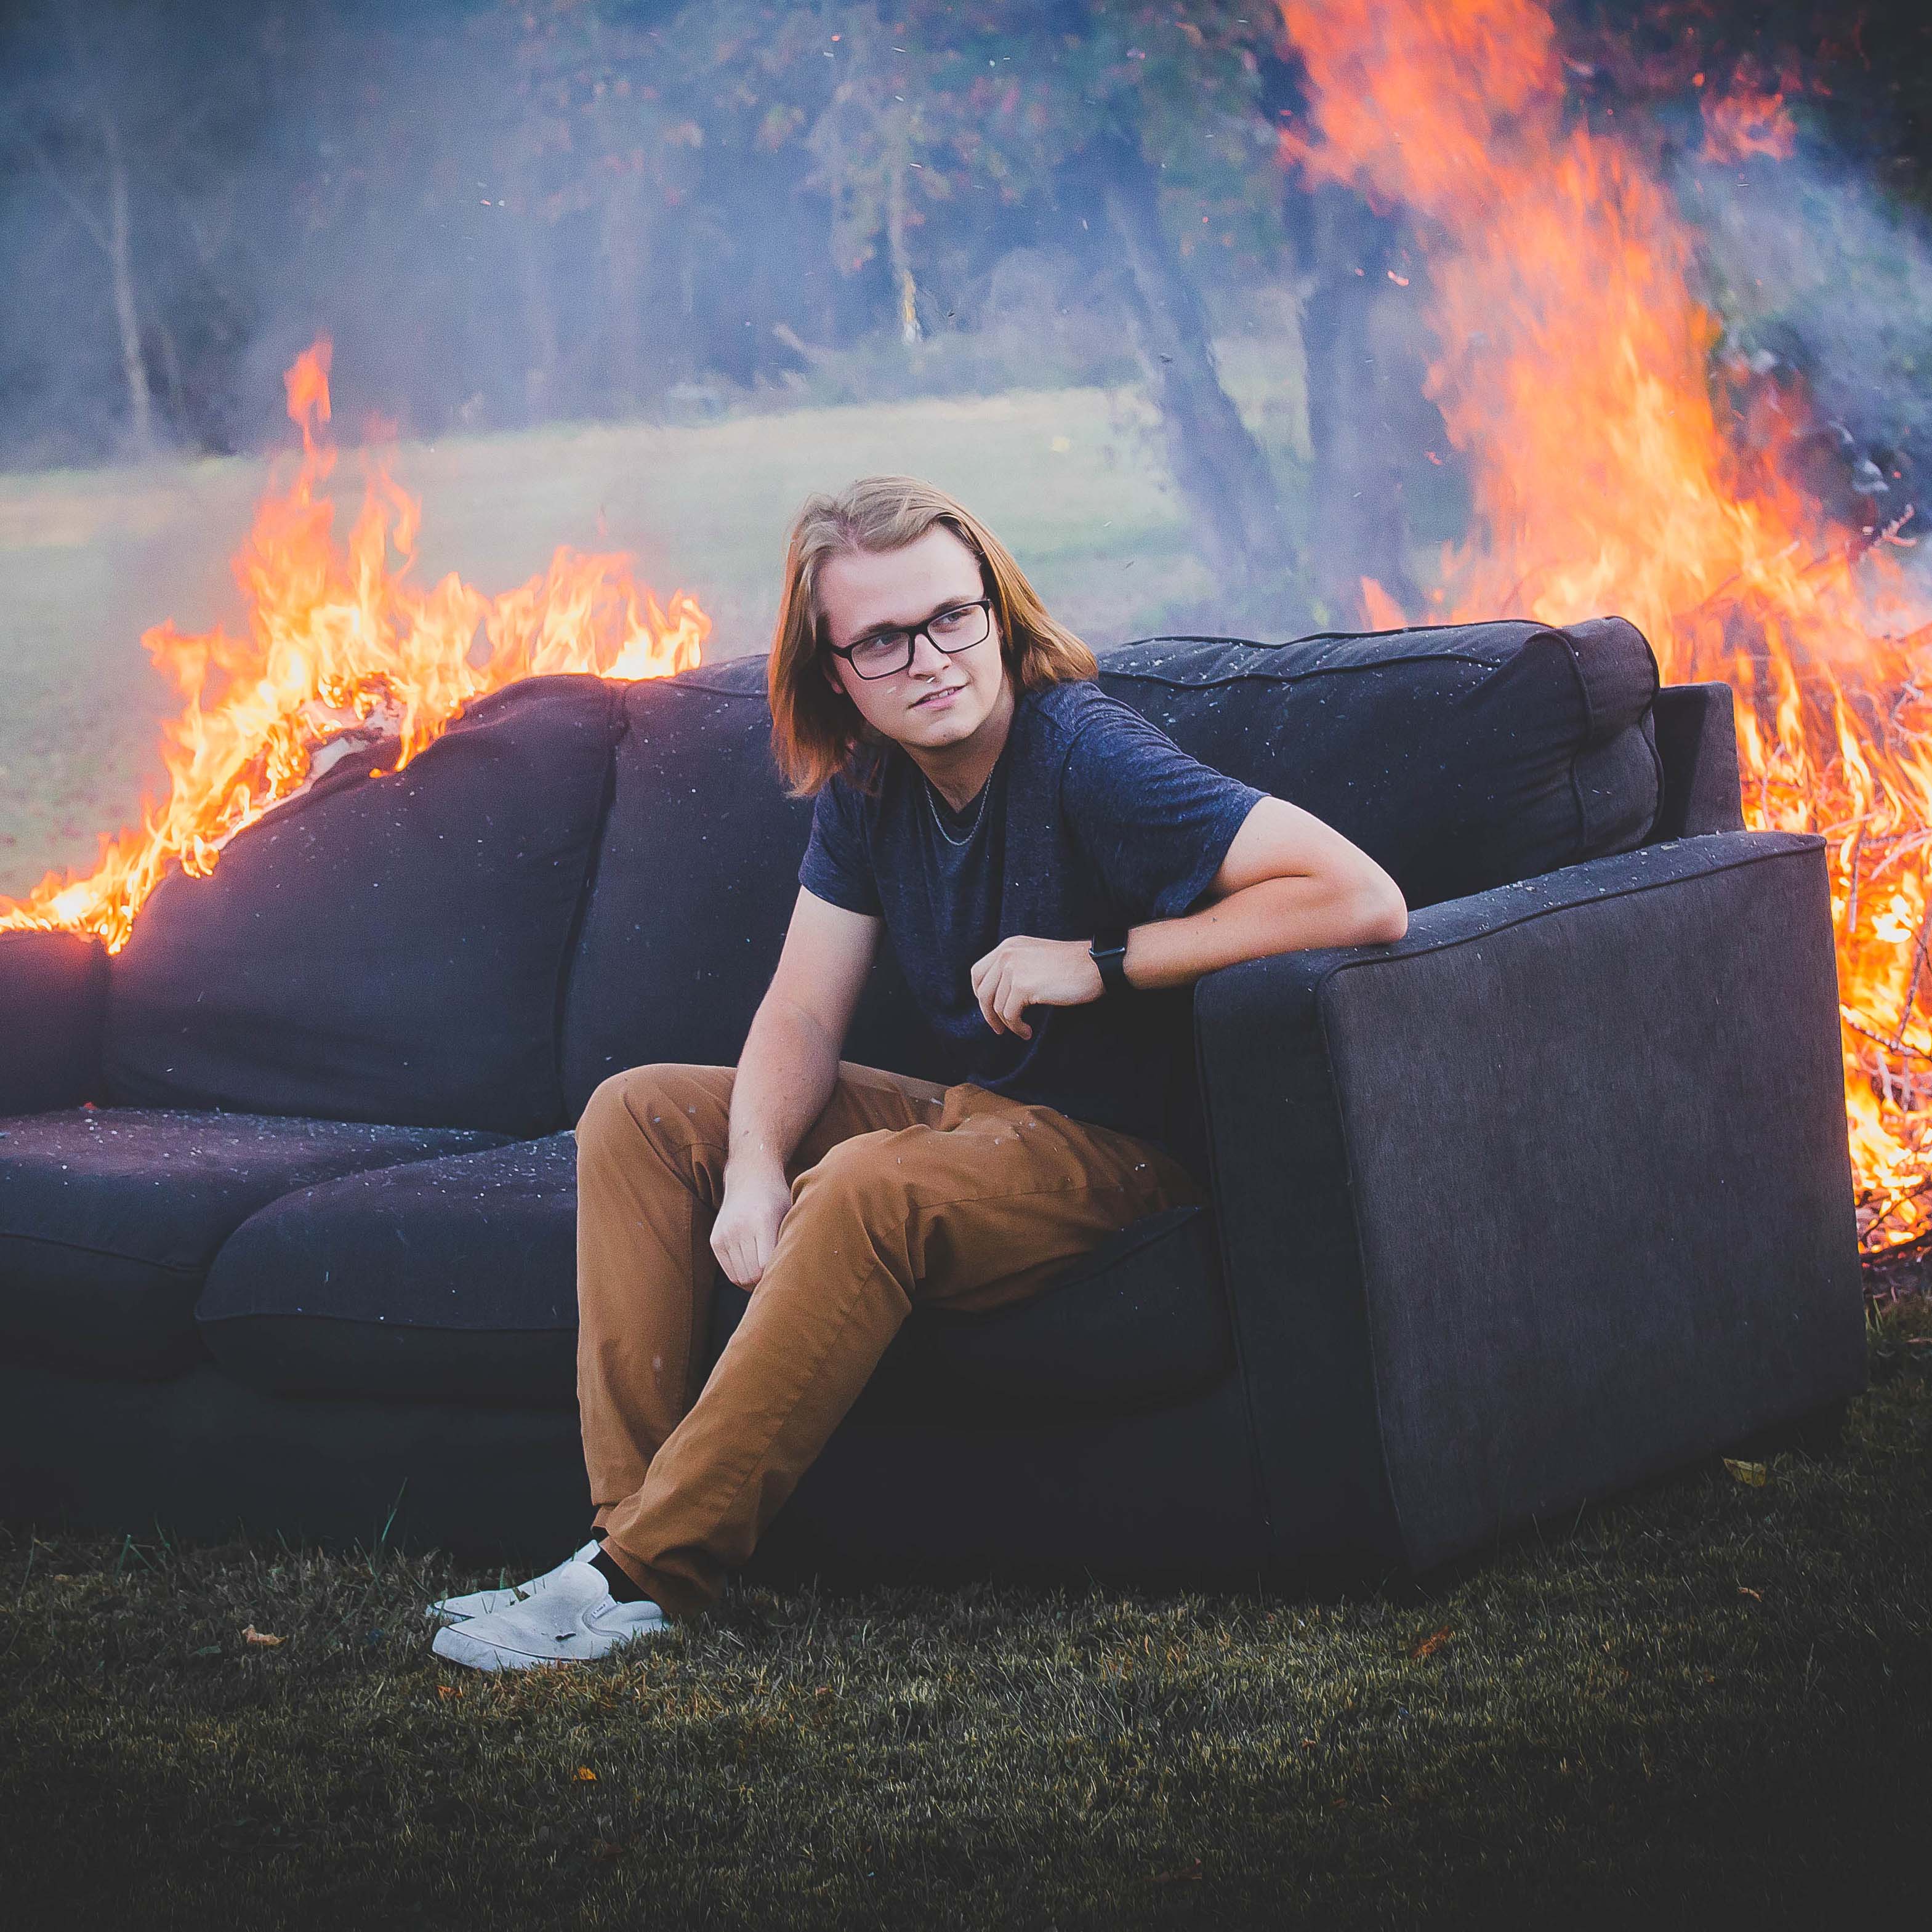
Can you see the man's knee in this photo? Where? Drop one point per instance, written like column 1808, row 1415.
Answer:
column 640, row 1098
column 870, row 1176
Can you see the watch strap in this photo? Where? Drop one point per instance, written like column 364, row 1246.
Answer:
column 1109, row 952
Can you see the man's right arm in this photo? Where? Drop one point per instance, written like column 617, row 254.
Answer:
column 786, row 1075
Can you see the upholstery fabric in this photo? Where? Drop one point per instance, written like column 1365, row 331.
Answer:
column 109, row 1219
column 53, row 991
column 451, row 1280
column 1460, row 757
column 1697, row 745
column 1138, row 1323
column 1662, row 1259
column 695, row 884
column 204, row 1456
column 454, row 1280
column 1166, row 1497
column 387, row 948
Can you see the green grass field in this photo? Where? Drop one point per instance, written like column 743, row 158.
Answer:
column 1073, row 479
column 1707, row 1705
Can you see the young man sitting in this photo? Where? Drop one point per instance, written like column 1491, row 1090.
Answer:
column 1036, row 852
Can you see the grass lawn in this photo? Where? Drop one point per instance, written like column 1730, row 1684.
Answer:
column 1707, row 1704
column 1073, row 479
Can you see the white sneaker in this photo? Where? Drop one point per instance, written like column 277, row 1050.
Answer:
column 485, row 1603
column 574, row 1618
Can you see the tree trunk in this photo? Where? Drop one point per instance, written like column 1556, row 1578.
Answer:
column 898, row 154
column 624, row 254
column 1218, row 467
column 1361, row 523
column 140, row 400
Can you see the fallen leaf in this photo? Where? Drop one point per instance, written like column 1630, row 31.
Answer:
column 1745, row 1590
column 252, row 1635
column 1428, row 1645
column 604, row 1849
column 447, row 1690
column 1756, row 1475
column 586, row 1775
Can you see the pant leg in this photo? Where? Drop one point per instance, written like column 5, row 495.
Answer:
column 650, row 1174
column 980, row 1208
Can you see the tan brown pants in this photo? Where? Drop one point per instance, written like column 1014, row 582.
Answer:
column 902, row 1191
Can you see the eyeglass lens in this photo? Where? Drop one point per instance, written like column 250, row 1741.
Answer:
column 950, row 630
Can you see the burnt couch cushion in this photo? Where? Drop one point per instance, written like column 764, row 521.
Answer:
column 1460, row 757
column 388, row 949
column 1141, row 1323
column 109, row 1219
column 694, row 883
column 452, row 1280
column 455, row 1280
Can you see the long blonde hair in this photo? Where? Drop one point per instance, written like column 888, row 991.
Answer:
column 815, row 728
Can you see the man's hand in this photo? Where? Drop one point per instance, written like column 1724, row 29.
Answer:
column 1020, row 973
column 756, row 1202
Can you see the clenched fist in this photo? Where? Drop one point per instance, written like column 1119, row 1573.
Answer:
column 1020, row 973
column 746, row 1230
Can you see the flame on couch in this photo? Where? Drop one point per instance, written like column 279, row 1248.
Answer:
column 1619, row 464
column 343, row 653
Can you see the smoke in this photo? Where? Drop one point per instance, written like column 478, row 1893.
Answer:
column 1816, row 273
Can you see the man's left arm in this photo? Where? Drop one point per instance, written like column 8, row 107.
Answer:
column 1288, row 882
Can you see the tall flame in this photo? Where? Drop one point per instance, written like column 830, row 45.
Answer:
column 343, row 652
column 1574, row 370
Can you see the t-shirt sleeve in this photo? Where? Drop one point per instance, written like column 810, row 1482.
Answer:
column 838, row 865
column 1155, row 822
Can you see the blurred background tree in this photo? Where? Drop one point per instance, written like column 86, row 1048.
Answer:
column 511, row 212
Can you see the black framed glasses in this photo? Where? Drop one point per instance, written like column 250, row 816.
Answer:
column 885, row 653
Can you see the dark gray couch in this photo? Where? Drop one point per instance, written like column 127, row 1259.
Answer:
column 1552, row 1196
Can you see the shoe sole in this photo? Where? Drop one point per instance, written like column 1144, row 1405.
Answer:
column 452, row 1643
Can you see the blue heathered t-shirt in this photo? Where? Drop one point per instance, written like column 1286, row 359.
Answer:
column 1093, row 817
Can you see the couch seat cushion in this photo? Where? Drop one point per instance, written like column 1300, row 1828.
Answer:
column 1141, row 1323
column 109, row 1218
column 456, row 1280
column 451, row 1280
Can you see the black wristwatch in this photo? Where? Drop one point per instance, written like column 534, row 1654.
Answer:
column 1109, row 952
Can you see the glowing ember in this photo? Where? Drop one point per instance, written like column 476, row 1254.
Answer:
column 343, row 652
column 1574, row 371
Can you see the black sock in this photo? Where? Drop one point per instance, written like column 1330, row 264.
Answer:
column 621, row 1588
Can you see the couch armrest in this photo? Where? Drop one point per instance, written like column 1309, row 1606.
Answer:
column 1550, row 1195
column 53, row 998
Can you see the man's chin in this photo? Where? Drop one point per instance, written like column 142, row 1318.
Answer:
column 946, row 727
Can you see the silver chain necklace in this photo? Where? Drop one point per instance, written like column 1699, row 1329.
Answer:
column 939, row 824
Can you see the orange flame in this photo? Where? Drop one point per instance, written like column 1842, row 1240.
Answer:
column 1574, row 370
column 343, row 652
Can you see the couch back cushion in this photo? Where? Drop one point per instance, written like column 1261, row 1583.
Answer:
column 385, row 948
column 1459, row 757
column 1462, row 756
column 694, row 886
